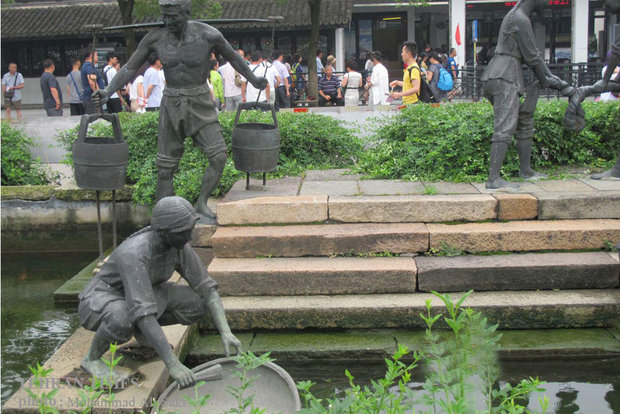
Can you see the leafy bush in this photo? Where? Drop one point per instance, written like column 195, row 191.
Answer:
column 307, row 141
column 452, row 142
column 18, row 165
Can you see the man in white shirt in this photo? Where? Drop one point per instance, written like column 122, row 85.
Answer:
column 152, row 84
column 248, row 92
column 283, row 95
column 271, row 76
column 319, row 64
column 13, row 81
column 379, row 81
column 232, row 85
column 109, row 71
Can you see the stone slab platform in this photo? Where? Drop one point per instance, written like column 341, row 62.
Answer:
column 586, row 205
column 272, row 210
column 151, row 382
column 379, row 343
column 596, row 270
column 319, row 240
column 511, row 310
column 314, row 276
column 525, row 235
column 407, row 209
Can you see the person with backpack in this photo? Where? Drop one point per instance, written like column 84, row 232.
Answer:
column 74, row 87
column 439, row 79
column 411, row 75
column 12, row 84
column 91, row 80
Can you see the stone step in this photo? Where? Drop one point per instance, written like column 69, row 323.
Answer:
column 517, row 236
column 334, row 239
column 319, row 240
column 551, row 344
column 594, row 270
column 314, row 276
column 511, row 310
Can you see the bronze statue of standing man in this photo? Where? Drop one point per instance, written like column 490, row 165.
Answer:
column 503, row 86
column 187, row 108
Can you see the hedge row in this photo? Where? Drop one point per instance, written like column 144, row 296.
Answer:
column 451, row 142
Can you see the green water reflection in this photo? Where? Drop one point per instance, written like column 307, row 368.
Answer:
column 33, row 327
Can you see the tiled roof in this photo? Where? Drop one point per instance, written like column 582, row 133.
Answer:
column 68, row 20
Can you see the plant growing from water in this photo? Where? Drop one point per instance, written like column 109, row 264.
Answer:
column 198, row 401
column 41, row 398
column 246, row 362
column 460, row 366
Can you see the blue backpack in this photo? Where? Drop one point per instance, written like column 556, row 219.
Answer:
column 445, row 83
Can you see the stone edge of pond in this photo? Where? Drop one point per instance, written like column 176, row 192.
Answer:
column 47, row 192
column 356, row 344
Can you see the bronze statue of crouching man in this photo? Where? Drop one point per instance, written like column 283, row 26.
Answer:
column 131, row 295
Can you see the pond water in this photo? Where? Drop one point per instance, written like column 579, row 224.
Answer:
column 572, row 386
column 33, row 327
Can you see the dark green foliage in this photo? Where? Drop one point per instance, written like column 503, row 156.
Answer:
column 308, row 141
column 452, row 142
column 18, row 165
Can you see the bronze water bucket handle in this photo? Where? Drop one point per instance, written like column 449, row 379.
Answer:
column 89, row 119
column 263, row 106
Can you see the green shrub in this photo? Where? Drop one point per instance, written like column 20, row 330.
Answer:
column 18, row 165
column 452, row 142
column 307, row 141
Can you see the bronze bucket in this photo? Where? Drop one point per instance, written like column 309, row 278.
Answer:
column 256, row 146
column 100, row 163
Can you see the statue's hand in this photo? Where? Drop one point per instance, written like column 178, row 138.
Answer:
column 100, row 97
column 259, row 83
column 229, row 339
column 182, row 375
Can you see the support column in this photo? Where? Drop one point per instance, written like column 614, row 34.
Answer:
column 411, row 24
column 457, row 18
column 579, row 32
column 340, row 49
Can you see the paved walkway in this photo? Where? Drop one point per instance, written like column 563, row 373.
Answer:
column 343, row 183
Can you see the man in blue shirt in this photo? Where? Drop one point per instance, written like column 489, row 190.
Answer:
column 329, row 88
column 91, row 80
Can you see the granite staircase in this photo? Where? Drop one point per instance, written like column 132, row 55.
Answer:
column 319, row 262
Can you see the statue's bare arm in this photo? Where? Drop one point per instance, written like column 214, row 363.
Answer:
column 128, row 71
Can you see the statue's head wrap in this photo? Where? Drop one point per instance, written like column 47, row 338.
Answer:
column 174, row 214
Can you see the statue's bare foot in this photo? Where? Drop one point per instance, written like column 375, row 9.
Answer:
column 614, row 172
column 207, row 216
column 532, row 175
column 500, row 184
column 98, row 369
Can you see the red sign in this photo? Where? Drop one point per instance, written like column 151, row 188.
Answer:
column 551, row 3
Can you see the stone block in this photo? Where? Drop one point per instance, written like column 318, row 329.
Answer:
column 516, row 206
column 524, row 187
column 570, row 186
column 313, row 276
column 608, row 184
column 203, row 234
column 330, row 188
column 526, row 235
column 447, row 187
column 27, row 192
column 589, row 205
column 532, row 271
column 331, row 175
column 282, row 187
column 273, row 210
column 319, row 240
column 512, row 310
column 407, row 209
column 390, row 187
column 207, row 346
